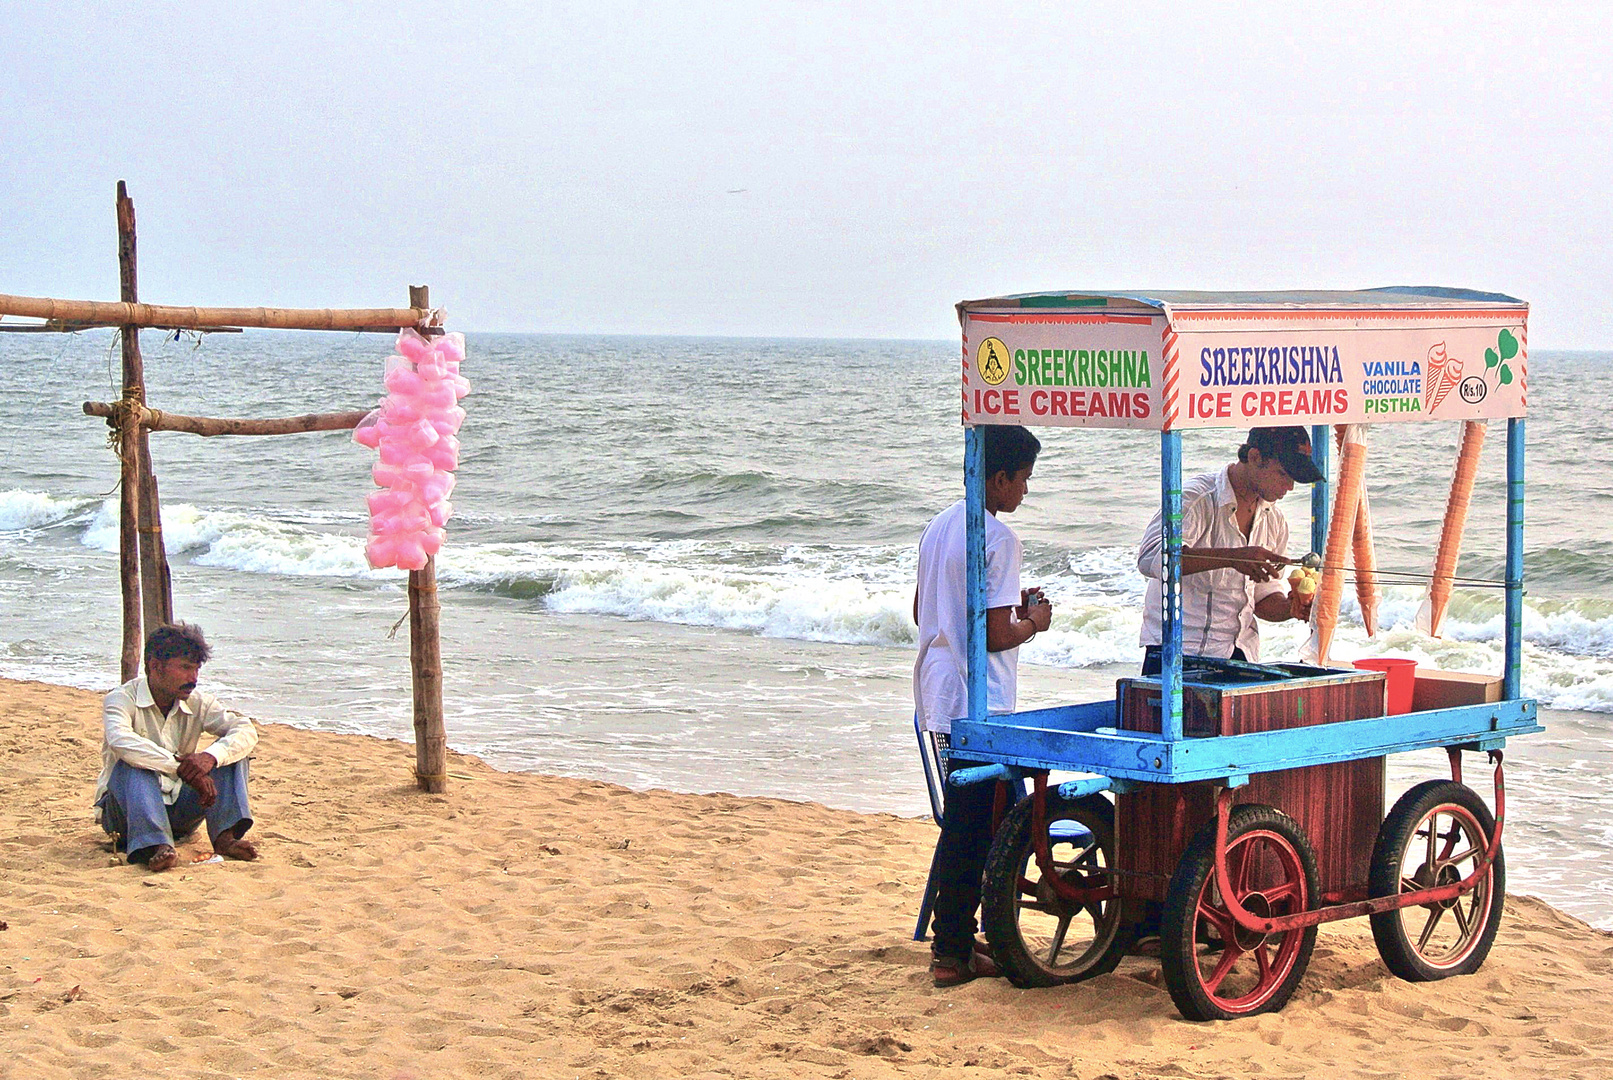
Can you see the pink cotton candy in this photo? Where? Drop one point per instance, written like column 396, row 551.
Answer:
column 419, row 473
column 432, row 397
column 381, row 551
column 398, row 410
column 413, row 432
column 451, row 347
column 436, row 487
column 388, row 501
column 444, row 456
column 368, row 431
column 412, row 553
column 401, row 455
column 412, row 346
column 447, row 422
column 388, row 475
column 400, row 380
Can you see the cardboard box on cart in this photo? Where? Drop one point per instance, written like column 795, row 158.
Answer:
column 1449, row 689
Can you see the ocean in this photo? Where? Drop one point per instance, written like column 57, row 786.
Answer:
column 688, row 563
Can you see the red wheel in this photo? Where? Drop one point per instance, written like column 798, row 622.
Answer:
column 1038, row 935
column 1214, row 968
column 1436, row 835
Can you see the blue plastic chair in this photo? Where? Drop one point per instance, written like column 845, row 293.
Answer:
column 935, row 781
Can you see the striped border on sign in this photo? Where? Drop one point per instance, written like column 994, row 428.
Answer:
column 1172, row 376
column 1523, row 368
column 963, row 410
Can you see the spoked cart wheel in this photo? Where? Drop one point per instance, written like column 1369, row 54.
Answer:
column 1436, row 835
column 1214, row 968
column 1041, row 935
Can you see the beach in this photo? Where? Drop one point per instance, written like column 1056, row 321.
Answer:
column 524, row 925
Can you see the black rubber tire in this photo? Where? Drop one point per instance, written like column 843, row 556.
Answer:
column 1010, row 919
column 1251, row 828
column 1474, row 916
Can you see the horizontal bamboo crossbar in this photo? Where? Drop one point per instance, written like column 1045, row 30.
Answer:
column 157, row 420
column 107, row 313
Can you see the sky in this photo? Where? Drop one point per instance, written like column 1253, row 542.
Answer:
column 809, row 169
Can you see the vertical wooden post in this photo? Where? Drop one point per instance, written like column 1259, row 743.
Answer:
column 156, row 588
column 134, row 390
column 425, row 657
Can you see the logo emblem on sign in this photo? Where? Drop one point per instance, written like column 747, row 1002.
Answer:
column 991, row 360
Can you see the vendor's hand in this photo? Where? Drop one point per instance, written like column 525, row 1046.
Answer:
column 1299, row 605
column 1258, row 563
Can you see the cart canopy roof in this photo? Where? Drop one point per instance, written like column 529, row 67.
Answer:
column 1163, row 359
column 1395, row 297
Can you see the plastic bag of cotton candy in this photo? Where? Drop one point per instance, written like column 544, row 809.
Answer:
column 415, row 430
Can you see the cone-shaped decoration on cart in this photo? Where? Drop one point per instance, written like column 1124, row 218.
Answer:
column 1431, row 616
column 1340, row 530
column 1365, row 557
column 1366, row 567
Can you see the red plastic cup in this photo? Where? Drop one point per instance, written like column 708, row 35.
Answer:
column 1401, row 680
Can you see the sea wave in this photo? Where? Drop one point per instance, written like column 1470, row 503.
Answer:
column 236, row 540
column 855, row 594
column 22, row 509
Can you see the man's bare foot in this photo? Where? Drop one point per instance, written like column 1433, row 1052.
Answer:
column 163, row 858
column 233, row 847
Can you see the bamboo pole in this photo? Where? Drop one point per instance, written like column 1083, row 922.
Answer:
column 134, row 393
column 106, row 313
column 158, row 420
column 425, row 657
column 156, row 586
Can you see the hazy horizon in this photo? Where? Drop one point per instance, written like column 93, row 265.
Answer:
column 785, row 170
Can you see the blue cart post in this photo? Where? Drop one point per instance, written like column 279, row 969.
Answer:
column 1216, row 739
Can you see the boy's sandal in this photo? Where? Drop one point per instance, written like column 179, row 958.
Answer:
column 946, row 973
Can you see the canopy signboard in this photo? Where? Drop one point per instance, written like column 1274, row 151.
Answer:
column 1161, row 361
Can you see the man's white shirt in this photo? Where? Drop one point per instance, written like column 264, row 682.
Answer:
column 139, row 733
column 1218, row 606
column 940, row 688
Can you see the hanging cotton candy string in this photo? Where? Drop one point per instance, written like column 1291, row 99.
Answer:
column 415, row 431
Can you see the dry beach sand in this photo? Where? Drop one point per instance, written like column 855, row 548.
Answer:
column 527, row 926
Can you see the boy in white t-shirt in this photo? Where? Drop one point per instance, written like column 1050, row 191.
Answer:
column 940, row 688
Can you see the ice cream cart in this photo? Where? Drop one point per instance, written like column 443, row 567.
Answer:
column 1247, row 799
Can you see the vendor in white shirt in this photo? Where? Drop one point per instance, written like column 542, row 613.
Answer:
column 1234, row 544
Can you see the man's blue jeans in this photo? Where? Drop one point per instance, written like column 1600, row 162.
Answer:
column 133, row 808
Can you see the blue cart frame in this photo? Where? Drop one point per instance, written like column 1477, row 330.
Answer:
column 1086, row 738
column 1083, row 738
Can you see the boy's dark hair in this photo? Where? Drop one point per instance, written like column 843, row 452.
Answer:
column 1009, row 449
column 178, row 640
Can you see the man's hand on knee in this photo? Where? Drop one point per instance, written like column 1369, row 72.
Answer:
column 196, row 770
column 193, row 767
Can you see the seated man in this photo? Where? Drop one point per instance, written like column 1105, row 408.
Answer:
column 155, row 785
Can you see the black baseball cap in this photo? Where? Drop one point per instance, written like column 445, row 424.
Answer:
column 1291, row 446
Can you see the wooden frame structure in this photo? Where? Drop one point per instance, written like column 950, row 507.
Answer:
column 147, row 588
